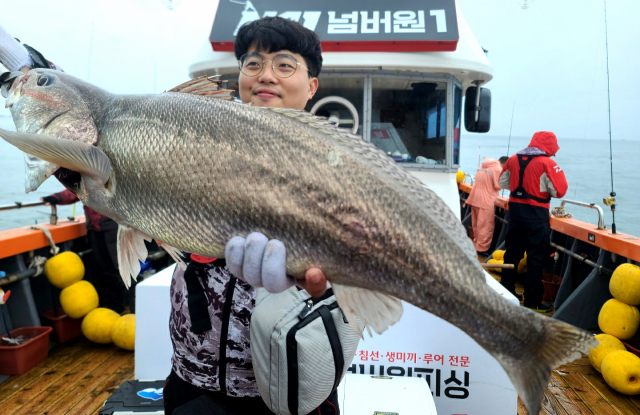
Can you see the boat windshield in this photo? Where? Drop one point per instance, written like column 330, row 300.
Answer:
column 405, row 117
column 409, row 119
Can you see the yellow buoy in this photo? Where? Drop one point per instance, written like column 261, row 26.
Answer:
column 123, row 332
column 625, row 284
column 608, row 344
column 64, row 269
column 460, row 176
column 97, row 325
column 522, row 266
column 621, row 371
column 79, row 299
column 619, row 319
column 498, row 255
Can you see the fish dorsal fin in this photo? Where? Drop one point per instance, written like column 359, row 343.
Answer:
column 73, row 155
column 208, row 86
column 376, row 310
column 320, row 123
column 131, row 251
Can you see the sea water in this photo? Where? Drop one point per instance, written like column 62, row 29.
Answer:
column 586, row 164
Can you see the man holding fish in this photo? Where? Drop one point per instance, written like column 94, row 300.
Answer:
column 222, row 170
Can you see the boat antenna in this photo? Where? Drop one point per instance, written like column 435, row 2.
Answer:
column 611, row 201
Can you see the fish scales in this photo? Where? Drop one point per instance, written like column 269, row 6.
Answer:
column 289, row 186
column 193, row 172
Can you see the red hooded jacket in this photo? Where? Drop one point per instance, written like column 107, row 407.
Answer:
column 543, row 177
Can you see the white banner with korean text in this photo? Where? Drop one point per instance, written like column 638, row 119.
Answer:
column 464, row 379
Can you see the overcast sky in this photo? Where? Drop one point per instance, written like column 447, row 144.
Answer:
column 549, row 60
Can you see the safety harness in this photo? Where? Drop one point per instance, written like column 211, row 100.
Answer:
column 520, row 192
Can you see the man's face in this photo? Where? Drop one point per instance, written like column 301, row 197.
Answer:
column 267, row 90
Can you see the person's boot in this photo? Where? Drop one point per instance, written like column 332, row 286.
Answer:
column 518, row 296
column 540, row 308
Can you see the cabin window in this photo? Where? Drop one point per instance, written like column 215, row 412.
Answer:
column 457, row 111
column 409, row 119
column 346, row 87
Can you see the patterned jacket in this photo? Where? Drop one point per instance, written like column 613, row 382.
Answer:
column 196, row 357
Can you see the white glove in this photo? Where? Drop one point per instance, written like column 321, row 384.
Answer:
column 259, row 261
column 13, row 55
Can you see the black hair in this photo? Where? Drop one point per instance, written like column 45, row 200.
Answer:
column 270, row 34
column 503, row 159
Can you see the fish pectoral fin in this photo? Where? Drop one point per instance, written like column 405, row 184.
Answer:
column 131, row 251
column 376, row 310
column 176, row 254
column 73, row 155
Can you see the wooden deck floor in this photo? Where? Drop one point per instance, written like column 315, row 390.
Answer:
column 577, row 388
column 76, row 378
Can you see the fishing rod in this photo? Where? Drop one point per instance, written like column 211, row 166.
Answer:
column 610, row 201
column 510, row 129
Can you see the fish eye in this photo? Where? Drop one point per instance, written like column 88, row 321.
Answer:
column 45, row 80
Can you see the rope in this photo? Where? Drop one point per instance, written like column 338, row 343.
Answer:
column 38, row 262
column 54, row 248
column 560, row 212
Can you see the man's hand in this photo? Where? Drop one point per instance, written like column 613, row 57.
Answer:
column 314, row 282
column 262, row 263
column 13, row 55
column 49, row 200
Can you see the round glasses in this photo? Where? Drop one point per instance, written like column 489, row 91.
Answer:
column 283, row 65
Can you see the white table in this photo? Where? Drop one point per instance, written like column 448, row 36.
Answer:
column 363, row 395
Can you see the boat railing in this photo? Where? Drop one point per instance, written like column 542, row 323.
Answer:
column 590, row 206
column 19, row 205
column 584, row 257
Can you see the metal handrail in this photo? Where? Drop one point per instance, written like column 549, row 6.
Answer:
column 18, row 205
column 590, row 206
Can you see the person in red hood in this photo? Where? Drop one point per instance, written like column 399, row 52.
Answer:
column 481, row 199
column 533, row 179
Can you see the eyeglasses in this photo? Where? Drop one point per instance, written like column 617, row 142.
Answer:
column 283, row 65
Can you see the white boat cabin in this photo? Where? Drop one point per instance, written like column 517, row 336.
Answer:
column 394, row 73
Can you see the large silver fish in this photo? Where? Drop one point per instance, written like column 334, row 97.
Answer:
column 192, row 172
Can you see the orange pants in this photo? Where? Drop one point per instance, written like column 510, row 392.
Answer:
column 483, row 222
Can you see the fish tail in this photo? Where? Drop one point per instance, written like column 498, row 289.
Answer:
column 560, row 343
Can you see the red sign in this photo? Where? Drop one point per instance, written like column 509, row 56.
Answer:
column 380, row 134
column 350, row 26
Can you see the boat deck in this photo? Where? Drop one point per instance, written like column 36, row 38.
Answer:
column 577, row 388
column 79, row 376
